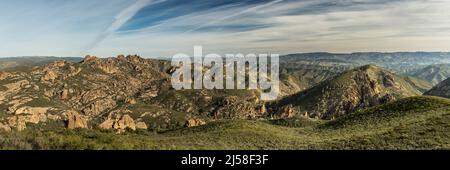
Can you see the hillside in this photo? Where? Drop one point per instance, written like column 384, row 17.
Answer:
column 15, row 63
column 435, row 73
column 350, row 91
column 411, row 123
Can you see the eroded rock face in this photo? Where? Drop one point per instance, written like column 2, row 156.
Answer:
column 194, row 122
column 287, row 112
column 121, row 123
column 234, row 108
column 49, row 76
column 100, row 106
column 75, row 120
column 5, row 127
column 32, row 110
column 125, row 122
column 4, row 75
column 24, row 115
column 141, row 125
column 351, row 91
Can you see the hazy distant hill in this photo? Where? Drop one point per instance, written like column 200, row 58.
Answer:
column 350, row 91
column 442, row 89
column 11, row 63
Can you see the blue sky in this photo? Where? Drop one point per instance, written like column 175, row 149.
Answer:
column 162, row 28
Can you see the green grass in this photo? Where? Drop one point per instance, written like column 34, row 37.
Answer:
column 411, row 123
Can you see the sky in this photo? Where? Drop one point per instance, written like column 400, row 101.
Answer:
column 163, row 28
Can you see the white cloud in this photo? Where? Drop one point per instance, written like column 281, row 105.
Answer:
column 397, row 26
column 292, row 26
column 61, row 28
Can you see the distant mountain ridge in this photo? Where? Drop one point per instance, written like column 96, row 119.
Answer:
column 350, row 91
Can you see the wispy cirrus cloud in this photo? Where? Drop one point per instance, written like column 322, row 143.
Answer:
column 161, row 28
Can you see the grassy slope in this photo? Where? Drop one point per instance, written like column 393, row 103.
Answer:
column 412, row 123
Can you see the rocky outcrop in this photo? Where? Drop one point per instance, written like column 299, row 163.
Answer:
column 75, row 121
column 4, row 127
column 49, row 75
column 125, row 122
column 141, row 125
column 32, row 110
column 442, row 89
column 4, row 75
column 352, row 90
column 286, row 112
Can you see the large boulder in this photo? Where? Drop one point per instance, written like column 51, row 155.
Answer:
column 75, row 120
column 100, row 106
column 49, row 76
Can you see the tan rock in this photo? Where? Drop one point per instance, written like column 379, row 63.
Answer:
column 4, row 75
column 89, row 58
column 18, row 102
column 32, row 110
column 53, row 117
column 75, row 120
column 287, row 112
column 12, row 88
column 59, row 63
column 125, row 122
column 5, row 127
column 193, row 122
column 263, row 109
column 98, row 107
column 141, row 125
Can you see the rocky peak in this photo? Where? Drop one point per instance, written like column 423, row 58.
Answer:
column 74, row 120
